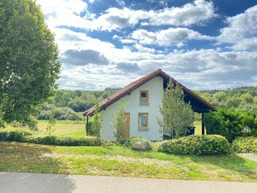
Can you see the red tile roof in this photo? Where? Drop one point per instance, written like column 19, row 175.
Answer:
column 135, row 84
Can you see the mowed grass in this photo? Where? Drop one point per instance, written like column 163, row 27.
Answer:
column 116, row 160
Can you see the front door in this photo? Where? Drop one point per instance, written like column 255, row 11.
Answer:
column 127, row 125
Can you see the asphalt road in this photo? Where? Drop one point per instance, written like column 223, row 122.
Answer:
column 51, row 183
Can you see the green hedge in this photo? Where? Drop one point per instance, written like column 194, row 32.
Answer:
column 18, row 136
column 196, row 145
column 245, row 145
column 49, row 140
column 66, row 141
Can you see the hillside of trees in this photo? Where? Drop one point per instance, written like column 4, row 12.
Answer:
column 244, row 98
column 69, row 105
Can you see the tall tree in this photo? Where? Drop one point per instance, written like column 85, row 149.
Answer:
column 29, row 65
column 177, row 115
column 118, row 121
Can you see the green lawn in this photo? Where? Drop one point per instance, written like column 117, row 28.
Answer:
column 121, row 161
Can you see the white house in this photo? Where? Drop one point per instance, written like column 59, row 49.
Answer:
column 143, row 98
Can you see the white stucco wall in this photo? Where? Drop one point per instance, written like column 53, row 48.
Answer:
column 155, row 87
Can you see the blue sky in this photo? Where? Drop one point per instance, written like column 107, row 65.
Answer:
column 109, row 43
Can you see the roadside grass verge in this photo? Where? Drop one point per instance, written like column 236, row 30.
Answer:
column 121, row 161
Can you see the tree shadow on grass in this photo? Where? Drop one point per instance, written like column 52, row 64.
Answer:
column 233, row 162
column 26, row 160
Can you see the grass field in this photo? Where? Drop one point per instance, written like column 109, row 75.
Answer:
column 118, row 160
column 61, row 128
column 121, row 161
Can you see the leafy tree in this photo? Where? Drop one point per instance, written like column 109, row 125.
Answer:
column 177, row 115
column 95, row 129
column 51, row 122
column 118, row 122
column 29, row 65
column 233, row 102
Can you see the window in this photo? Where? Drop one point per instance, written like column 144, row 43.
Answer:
column 144, row 97
column 142, row 121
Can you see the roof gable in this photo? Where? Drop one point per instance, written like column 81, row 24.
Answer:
column 198, row 103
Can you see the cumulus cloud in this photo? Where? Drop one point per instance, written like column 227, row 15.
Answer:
column 196, row 69
column 83, row 57
column 197, row 12
column 89, row 57
column 128, row 67
column 208, row 69
column 191, row 13
column 64, row 13
column 168, row 37
column 246, row 44
column 115, row 18
column 241, row 26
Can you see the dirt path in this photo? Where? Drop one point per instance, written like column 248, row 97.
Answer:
column 250, row 156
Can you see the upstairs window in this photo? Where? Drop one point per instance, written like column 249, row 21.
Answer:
column 144, row 97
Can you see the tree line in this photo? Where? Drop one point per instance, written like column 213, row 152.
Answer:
column 70, row 104
column 244, row 98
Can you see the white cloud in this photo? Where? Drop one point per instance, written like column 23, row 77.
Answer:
column 168, row 37
column 240, row 27
column 64, row 12
column 246, row 44
column 192, row 13
column 70, row 40
column 201, row 69
column 196, row 69
column 67, row 13
column 208, row 69
column 115, row 19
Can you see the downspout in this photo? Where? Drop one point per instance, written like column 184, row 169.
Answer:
column 87, row 129
column 203, row 124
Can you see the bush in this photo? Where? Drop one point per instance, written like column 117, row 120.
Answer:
column 66, row 141
column 196, row 145
column 245, row 145
column 60, row 113
column 18, row 136
column 24, row 136
column 47, row 140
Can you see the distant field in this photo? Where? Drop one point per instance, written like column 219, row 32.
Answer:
column 72, row 128
column 61, row 128
column 198, row 128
